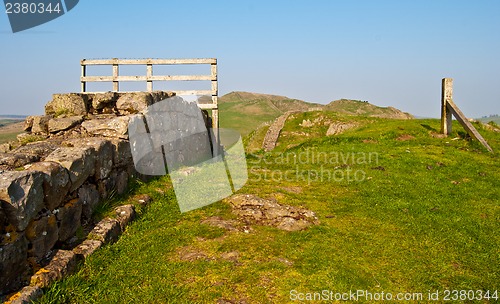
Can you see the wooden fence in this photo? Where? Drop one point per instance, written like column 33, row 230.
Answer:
column 449, row 108
column 149, row 78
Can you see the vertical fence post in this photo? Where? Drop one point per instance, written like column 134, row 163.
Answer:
column 149, row 74
column 83, row 84
column 446, row 96
column 215, row 93
column 115, row 77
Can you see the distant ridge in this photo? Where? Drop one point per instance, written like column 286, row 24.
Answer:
column 16, row 117
column 358, row 107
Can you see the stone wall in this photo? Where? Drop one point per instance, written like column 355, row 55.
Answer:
column 49, row 188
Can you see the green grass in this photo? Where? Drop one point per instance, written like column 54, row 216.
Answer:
column 4, row 138
column 421, row 214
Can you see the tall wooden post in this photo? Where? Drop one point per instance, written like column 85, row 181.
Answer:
column 83, row 84
column 115, row 78
column 446, row 97
column 149, row 74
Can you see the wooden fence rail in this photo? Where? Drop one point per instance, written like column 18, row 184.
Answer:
column 449, row 108
column 149, row 78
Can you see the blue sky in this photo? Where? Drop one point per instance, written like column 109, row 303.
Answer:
column 391, row 53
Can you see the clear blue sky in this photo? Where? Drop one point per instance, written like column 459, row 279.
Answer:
column 391, row 53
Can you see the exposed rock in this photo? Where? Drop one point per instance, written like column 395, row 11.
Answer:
column 61, row 265
column 122, row 155
column 13, row 264
column 104, row 153
column 56, row 183
column 21, row 196
column 89, row 196
column 274, row 131
column 338, row 128
column 135, row 102
column 43, row 235
column 61, row 124
column 86, row 248
column 5, row 148
column 142, row 199
column 125, row 214
column 16, row 160
column 108, row 230
column 67, row 104
column 218, row 221
column 405, row 137
column 27, row 295
column 3, row 220
column 40, row 124
column 306, row 123
column 108, row 127
column 78, row 161
column 107, row 185
column 28, row 123
column 255, row 210
column 39, row 148
column 102, row 100
column 232, row 256
column 69, row 217
column 121, row 182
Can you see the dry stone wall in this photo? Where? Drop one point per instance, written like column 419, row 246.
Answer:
column 50, row 187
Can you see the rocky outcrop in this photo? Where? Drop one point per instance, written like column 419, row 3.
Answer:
column 50, row 188
column 274, row 131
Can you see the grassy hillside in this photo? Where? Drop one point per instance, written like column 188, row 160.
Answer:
column 357, row 107
column 9, row 128
column 400, row 210
column 245, row 111
column 489, row 119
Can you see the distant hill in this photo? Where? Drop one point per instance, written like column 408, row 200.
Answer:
column 245, row 111
column 357, row 107
column 495, row 119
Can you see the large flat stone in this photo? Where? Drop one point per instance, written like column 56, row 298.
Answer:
column 103, row 100
column 40, row 124
column 21, row 196
column 16, row 160
column 107, row 230
column 104, row 153
column 78, row 161
column 61, row 124
column 89, row 196
column 27, row 295
column 134, row 102
column 67, row 104
column 56, row 182
column 86, row 248
column 108, row 127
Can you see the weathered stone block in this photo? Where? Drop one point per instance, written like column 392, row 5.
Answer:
column 13, row 263
column 3, row 220
column 56, row 183
column 104, row 154
column 103, row 100
column 107, row 185
column 16, row 160
column 69, row 217
column 27, row 295
column 86, row 248
column 124, row 215
column 61, row 124
column 43, row 235
column 89, row 196
column 122, row 156
column 107, row 230
column 135, row 102
column 109, row 127
column 62, row 264
column 21, row 196
column 67, row 104
column 41, row 148
column 5, row 148
column 78, row 161
column 121, row 182
column 28, row 123
column 40, row 124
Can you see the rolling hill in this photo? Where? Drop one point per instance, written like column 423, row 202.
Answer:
column 357, row 107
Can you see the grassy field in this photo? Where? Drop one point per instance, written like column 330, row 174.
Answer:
column 400, row 211
column 9, row 129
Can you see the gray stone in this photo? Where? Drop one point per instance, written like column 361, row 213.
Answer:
column 106, row 186
column 338, row 128
column 69, row 217
column 124, row 215
column 13, row 263
column 121, row 182
column 89, row 196
column 108, row 127
column 104, row 154
column 56, row 183
column 78, row 161
column 86, row 248
column 3, row 220
column 40, row 148
column 61, row 265
column 43, row 235
column 142, row 199
column 16, row 160
column 4, row 148
column 21, row 196
column 67, row 104
column 135, row 102
column 122, row 155
column 40, row 124
column 103, row 100
column 107, row 230
column 27, row 295
column 61, row 124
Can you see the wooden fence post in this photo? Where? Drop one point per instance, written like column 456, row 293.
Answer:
column 446, row 96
